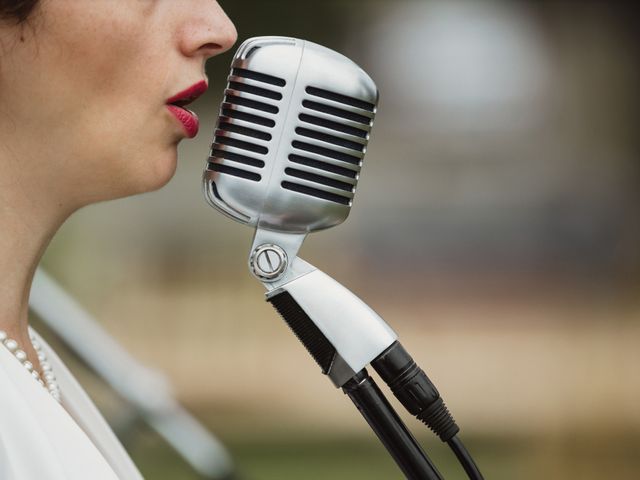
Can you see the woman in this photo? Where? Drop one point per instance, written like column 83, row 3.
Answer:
column 90, row 110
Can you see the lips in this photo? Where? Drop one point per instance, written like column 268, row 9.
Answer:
column 187, row 118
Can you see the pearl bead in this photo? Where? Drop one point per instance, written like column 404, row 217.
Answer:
column 49, row 381
column 11, row 344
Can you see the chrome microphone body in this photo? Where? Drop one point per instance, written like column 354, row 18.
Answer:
column 286, row 159
column 291, row 136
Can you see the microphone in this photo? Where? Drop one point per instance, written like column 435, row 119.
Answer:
column 292, row 133
column 286, row 158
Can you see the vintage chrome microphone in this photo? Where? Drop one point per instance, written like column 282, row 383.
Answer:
column 286, row 158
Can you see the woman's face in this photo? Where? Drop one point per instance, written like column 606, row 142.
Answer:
column 84, row 88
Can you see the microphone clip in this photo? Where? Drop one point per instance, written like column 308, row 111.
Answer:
column 340, row 331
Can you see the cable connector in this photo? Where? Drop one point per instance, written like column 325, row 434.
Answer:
column 415, row 391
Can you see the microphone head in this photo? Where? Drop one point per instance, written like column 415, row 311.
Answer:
column 291, row 136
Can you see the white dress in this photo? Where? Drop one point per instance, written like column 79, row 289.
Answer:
column 43, row 440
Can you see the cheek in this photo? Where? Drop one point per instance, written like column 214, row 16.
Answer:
column 102, row 78
column 106, row 70
column 121, row 129
column 131, row 132
column 112, row 154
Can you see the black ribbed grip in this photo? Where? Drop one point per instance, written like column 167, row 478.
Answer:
column 439, row 420
column 303, row 327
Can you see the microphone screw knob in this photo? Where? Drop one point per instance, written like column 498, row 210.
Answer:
column 268, row 262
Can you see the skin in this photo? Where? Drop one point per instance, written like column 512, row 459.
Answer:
column 83, row 117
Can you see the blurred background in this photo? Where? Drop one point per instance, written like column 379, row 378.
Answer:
column 496, row 228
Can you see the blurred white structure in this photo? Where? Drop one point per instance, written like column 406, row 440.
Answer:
column 147, row 390
column 465, row 64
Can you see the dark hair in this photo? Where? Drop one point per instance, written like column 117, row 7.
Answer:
column 17, row 10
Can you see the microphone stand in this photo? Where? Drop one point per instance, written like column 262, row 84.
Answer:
column 387, row 425
column 308, row 300
column 360, row 387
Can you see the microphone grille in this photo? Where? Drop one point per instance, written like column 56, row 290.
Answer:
column 293, row 130
column 329, row 145
column 251, row 118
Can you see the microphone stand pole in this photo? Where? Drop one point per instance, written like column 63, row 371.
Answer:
column 387, row 425
column 308, row 300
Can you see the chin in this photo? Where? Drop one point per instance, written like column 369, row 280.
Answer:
column 161, row 171
column 149, row 173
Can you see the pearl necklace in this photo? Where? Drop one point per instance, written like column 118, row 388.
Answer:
column 49, row 381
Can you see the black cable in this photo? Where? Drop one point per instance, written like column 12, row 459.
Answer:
column 362, row 391
column 416, row 392
column 409, row 384
column 465, row 458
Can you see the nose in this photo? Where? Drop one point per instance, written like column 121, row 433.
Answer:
column 208, row 30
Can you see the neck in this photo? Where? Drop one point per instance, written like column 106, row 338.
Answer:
column 29, row 217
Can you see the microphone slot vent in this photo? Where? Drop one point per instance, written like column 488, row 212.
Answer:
column 336, row 97
column 232, row 142
column 246, row 102
column 236, row 172
column 236, row 157
column 250, row 132
column 327, row 167
column 248, row 117
column 323, row 137
column 260, row 77
column 339, row 127
column 262, row 92
column 337, row 112
column 312, row 177
column 314, row 192
column 326, row 152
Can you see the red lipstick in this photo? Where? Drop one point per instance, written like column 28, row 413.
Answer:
column 187, row 118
